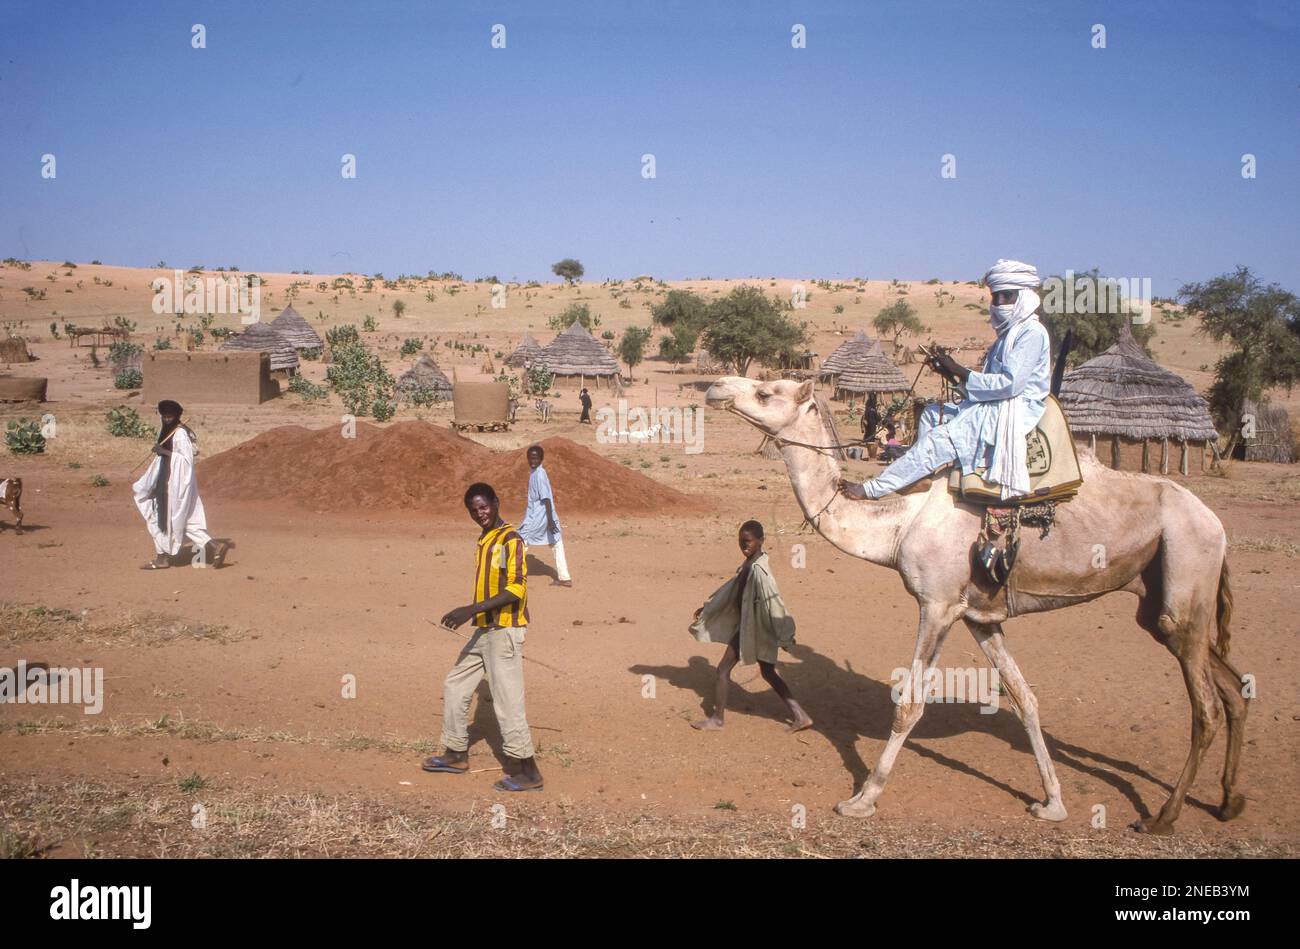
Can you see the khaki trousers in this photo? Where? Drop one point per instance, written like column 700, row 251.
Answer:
column 498, row 654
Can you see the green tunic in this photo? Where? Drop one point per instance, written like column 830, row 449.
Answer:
column 761, row 619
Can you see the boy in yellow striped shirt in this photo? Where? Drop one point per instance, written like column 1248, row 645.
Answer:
column 499, row 613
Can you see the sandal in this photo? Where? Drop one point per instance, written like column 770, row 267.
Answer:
column 157, row 565
column 439, row 763
column 512, row 784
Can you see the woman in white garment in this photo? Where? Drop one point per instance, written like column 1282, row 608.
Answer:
column 168, row 495
column 1003, row 403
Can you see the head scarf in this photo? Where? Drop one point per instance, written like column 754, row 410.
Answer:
column 1013, row 275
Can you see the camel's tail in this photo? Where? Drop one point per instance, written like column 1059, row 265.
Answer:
column 1224, row 613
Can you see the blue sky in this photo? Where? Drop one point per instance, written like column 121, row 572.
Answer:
column 815, row 162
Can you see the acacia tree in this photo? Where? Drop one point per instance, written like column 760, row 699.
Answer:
column 1263, row 325
column 568, row 268
column 746, row 326
column 896, row 321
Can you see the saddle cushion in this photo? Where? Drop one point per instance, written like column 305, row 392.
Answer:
column 1054, row 473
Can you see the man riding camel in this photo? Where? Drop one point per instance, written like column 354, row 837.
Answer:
column 1002, row 404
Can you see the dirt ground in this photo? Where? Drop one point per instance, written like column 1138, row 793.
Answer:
column 224, row 689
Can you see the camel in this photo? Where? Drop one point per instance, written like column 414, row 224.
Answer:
column 1137, row 533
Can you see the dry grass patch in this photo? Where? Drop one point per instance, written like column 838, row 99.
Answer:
column 23, row 623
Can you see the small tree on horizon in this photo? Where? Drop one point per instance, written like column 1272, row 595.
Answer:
column 568, row 268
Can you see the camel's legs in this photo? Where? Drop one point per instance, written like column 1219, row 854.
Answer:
column 1189, row 642
column 1025, row 703
column 1228, row 683
column 936, row 620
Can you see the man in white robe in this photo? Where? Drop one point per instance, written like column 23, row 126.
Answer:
column 168, row 495
column 1002, row 404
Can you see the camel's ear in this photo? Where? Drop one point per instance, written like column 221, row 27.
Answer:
column 805, row 392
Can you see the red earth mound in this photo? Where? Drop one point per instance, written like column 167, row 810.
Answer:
column 418, row 466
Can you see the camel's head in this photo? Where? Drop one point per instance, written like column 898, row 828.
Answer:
column 771, row 407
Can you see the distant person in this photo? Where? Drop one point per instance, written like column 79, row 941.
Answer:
column 889, row 441
column 541, row 524
column 585, row 399
column 167, row 494
column 499, row 615
column 870, row 419
column 747, row 614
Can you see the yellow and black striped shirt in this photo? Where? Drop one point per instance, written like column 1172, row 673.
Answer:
column 499, row 565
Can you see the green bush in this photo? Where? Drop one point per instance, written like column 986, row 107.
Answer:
column 382, row 409
column 540, row 379
column 99, row 481
column 342, row 335
column 129, row 379
column 360, row 379
column 412, row 346
column 121, row 353
column 124, row 422
column 307, row 389
column 369, row 324
column 162, row 344
column 311, row 354
column 24, row 437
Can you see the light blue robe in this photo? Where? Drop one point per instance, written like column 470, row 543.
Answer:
column 969, row 429
column 534, row 528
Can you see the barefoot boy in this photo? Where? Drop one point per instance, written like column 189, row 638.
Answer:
column 499, row 614
column 748, row 615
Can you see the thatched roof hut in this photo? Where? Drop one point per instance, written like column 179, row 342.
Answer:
column 529, row 351
column 860, row 365
column 1123, row 396
column 575, row 352
column 261, row 338
column 292, row 326
column 425, row 374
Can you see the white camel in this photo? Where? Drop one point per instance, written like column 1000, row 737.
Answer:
column 1160, row 542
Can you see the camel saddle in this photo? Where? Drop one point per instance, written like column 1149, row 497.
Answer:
column 1054, row 473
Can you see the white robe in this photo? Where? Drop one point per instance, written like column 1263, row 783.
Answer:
column 185, row 515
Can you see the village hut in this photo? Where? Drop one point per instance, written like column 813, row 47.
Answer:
column 1127, row 408
column 260, row 337
column 425, row 375
column 528, row 352
column 576, row 354
column 292, row 326
column 859, row 366
column 1266, row 433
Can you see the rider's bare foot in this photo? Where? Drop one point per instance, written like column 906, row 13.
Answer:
column 710, row 724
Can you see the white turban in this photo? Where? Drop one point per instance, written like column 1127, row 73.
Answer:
column 1013, row 275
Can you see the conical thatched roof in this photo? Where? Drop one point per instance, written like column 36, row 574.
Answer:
column 860, row 365
column 576, row 352
column 263, row 339
column 291, row 325
column 1124, row 392
column 425, row 374
column 529, row 350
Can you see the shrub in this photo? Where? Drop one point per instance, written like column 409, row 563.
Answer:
column 162, row 344
column 360, row 379
column 24, row 437
column 125, row 422
column 412, row 346
column 382, row 409
column 311, row 354
column 99, row 481
column 122, row 353
column 129, row 379
column 306, row 388
column 342, row 335
column 369, row 324
column 540, row 378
